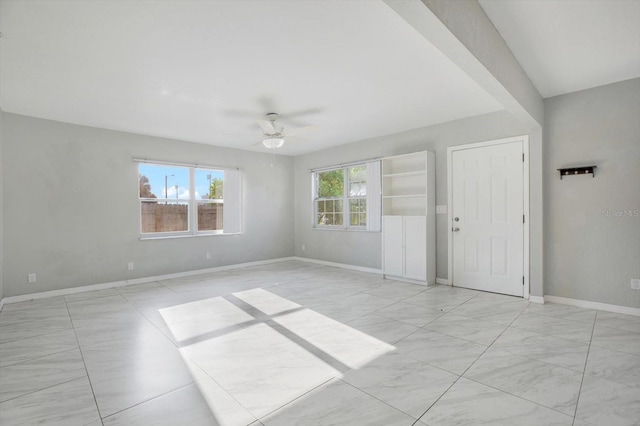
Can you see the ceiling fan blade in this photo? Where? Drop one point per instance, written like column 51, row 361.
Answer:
column 302, row 112
column 301, row 130
column 267, row 126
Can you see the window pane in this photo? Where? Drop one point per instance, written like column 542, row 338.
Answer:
column 358, row 209
column 210, row 216
column 159, row 181
column 209, row 184
column 329, row 216
column 358, row 174
column 358, row 181
column 164, row 216
column 357, row 189
column 331, row 184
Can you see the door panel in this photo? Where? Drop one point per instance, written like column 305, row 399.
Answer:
column 415, row 247
column 488, row 202
column 393, row 245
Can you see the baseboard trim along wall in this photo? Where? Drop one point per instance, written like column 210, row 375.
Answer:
column 339, row 265
column 103, row 286
column 536, row 299
column 626, row 310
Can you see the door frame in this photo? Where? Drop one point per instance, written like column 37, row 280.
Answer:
column 525, row 194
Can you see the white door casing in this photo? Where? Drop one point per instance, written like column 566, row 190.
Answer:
column 487, row 193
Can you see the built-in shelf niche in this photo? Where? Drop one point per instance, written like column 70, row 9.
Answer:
column 408, row 221
column 404, row 184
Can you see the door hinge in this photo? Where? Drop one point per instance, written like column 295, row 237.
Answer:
column 522, row 280
column 522, row 218
column 523, row 157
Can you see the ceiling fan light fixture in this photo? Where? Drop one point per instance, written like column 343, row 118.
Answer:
column 273, row 142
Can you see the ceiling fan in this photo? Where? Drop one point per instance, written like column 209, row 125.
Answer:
column 274, row 134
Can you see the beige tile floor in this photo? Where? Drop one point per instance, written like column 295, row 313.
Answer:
column 294, row 343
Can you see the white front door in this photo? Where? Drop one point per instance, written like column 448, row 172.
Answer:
column 488, row 215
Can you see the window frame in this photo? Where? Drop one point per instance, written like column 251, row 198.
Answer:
column 192, row 203
column 346, row 198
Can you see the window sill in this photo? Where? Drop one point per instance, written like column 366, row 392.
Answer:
column 315, row 228
column 174, row 237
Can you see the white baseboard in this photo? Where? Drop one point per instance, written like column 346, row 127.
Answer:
column 442, row 281
column 536, row 299
column 339, row 265
column 627, row 310
column 114, row 284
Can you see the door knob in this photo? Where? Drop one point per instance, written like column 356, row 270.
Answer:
column 456, row 229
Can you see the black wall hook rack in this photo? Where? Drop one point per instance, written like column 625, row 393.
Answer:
column 584, row 170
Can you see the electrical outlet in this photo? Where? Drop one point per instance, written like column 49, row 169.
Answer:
column 441, row 209
column 208, row 256
column 32, row 277
column 635, row 283
column 130, row 266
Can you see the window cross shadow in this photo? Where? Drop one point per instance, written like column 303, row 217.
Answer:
column 260, row 317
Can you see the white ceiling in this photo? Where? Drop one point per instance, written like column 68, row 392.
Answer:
column 570, row 45
column 204, row 71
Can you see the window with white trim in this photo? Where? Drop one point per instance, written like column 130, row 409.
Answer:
column 347, row 197
column 177, row 200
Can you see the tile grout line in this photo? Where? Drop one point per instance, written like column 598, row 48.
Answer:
column 37, row 357
column 341, row 378
column 293, row 400
column 518, row 396
column 95, row 400
column 551, row 335
column 39, row 335
column 147, row 400
column 375, row 397
column 467, row 369
column 24, row 322
column 44, row 388
column 217, row 383
column 584, row 371
column 166, row 337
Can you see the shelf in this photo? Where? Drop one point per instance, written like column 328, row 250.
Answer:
column 406, row 174
column 404, row 164
column 583, row 170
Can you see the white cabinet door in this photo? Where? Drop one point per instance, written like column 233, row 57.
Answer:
column 415, row 247
column 393, row 245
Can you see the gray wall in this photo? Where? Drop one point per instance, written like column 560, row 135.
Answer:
column 464, row 33
column 70, row 199
column 364, row 248
column 1, row 210
column 591, row 255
